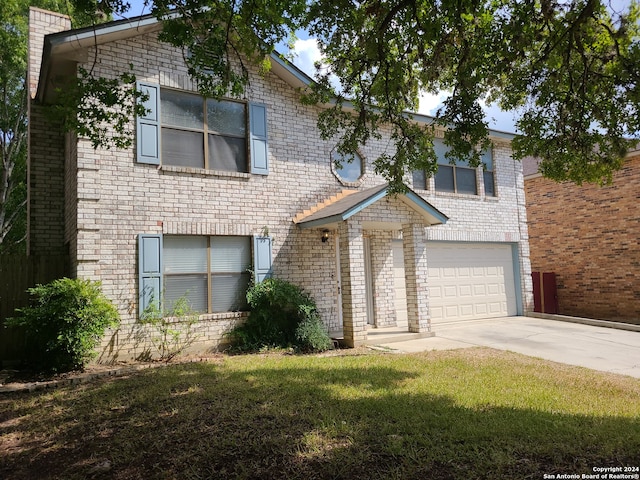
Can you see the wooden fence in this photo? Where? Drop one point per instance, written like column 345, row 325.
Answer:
column 17, row 274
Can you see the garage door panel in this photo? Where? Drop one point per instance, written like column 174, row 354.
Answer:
column 496, row 308
column 466, row 310
column 469, row 281
column 435, row 291
column 450, row 291
column 451, row 311
column 465, row 290
column 449, row 273
column 480, row 289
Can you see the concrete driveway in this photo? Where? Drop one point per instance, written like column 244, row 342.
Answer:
column 598, row 348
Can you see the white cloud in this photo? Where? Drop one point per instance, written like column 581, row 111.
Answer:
column 307, row 54
column 497, row 119
column 429, row 103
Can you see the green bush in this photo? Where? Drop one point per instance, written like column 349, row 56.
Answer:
column 172, row 329
column 64, row 324
column 311, row 335
column 282, row 316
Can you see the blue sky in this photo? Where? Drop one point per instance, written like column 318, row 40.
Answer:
column 307, row 53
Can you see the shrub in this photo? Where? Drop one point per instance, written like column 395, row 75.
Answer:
column 311, row 335
column 64, row 324
column 174, row 328
column 282, row 315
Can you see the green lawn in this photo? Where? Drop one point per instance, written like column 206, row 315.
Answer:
column 465, row 414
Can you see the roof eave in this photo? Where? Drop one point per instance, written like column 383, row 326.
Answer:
column 69, row 43
column 431, row 215
column 321, row 222
column 364, row 204
column 288, row 72
column 70, row 40
column 426, row 208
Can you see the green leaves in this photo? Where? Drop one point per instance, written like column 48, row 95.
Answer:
column 65, row 323
column 282, row 316
column 101, row 109
column 219, row 37
column 569, row 68
column 582, row 94
column 14, row 15
column 13, row 131
column 385, row 53
column 172, row 330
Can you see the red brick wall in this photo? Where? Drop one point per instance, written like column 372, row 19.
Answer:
column 590, row 237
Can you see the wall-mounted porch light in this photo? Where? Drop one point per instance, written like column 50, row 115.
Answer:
column 325, row 235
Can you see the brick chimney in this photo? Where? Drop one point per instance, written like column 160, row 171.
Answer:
column 41, row 23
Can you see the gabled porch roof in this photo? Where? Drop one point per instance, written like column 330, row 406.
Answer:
column 349, row 202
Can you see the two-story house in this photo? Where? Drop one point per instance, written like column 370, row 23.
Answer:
column 216, row 189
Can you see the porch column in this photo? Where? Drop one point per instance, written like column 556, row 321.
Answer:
column 354, row 299
column 415, row 270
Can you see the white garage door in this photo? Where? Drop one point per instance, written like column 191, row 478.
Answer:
column 470, row 281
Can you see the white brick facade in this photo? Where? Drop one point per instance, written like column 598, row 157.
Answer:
column 109, row 199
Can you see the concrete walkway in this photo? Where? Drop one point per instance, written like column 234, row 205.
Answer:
column 599, row 348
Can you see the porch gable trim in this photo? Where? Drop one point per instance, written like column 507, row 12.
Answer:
column 348, row 206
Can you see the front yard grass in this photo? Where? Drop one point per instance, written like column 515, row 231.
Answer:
column 465, row 414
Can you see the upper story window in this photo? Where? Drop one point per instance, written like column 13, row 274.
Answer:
column 203, row 133
column 348, row 169
column 488, row 176
column 186, row 130
column 458, row 178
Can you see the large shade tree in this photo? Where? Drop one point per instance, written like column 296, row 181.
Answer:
column 14, row 15
column 13, row 51
column 570, row 69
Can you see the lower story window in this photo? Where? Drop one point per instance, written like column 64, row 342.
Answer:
column 211, row 272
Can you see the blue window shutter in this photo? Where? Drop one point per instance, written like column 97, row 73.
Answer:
column 149, row 270
column 148, row 126
column 261, row 258
column 258, row 128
